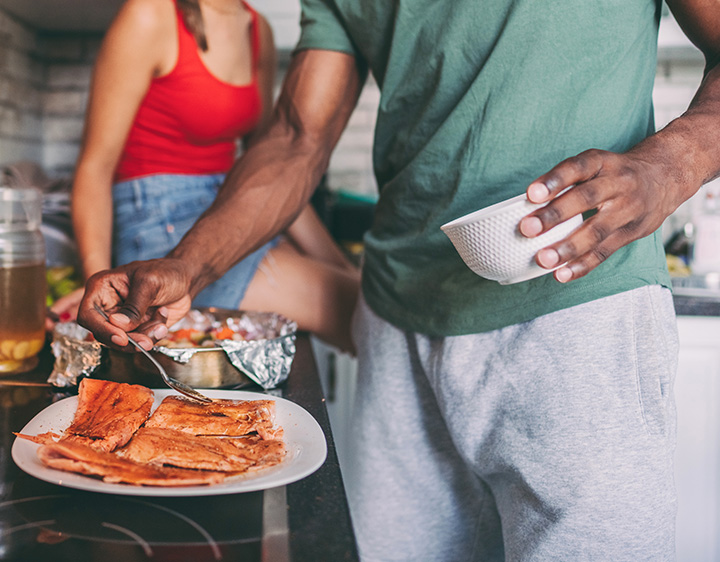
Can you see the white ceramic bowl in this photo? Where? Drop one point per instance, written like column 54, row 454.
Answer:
column 490, row 243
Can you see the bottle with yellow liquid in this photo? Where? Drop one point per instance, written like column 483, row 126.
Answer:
column 22, row 279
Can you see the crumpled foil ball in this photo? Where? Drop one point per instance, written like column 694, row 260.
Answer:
column 76, row 353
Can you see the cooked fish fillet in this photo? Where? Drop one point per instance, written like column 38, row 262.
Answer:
column 184, row 443
column 41, row 438
column 109, row 413
column 161, row 446
column 75, row 457
column 219, row 417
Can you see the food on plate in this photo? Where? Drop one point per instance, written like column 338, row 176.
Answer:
column 75, row 457
column 161, row 446
column 219, row 417
column 114, row 437
column 109, row 413
column 42, row 438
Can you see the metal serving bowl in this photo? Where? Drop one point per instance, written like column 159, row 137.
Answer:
column 264, row 358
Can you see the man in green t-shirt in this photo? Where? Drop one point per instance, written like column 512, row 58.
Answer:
column 532, row 421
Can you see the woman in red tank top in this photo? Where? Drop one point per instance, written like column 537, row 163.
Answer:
column 177, row 87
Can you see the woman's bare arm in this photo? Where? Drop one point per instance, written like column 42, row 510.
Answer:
column 133, row 51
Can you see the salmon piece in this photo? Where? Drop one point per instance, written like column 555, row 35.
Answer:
column 41, row 438
column 50, row 437
column 183, row 443
column 109, row 413
column 219, row 417
column 169, row 447
column 75, row 457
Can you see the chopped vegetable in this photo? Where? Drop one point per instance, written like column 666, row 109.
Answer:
column 193, row 337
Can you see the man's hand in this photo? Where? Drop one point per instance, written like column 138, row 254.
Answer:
column 633, row 193
column 628, row 194
column 143, row 298
column 261, row 195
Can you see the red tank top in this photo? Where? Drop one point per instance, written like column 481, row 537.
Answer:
column 189, row 121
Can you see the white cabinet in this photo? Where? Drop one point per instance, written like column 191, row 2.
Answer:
column 697, row 457
column 338, row 376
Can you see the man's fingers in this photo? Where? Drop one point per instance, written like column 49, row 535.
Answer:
column 572, row 187
column 104, row 291
column 141, row 299
column 623, row 200
column 557, row 211
column 586, row 248
column 103, row 330
column 142, row 340
column 130, row 314
column 152, row 283
column 600, row 192
column 119, row 337
column 572, row 171
column 581, row 266
column 152, row 330
column 136, row 308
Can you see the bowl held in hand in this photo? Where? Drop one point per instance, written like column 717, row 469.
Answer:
column 490, row 243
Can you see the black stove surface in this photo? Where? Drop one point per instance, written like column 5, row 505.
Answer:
column 41, row 521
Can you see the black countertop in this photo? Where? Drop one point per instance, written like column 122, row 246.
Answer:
column 697, row 295
column 696, row 306
column 305, row 521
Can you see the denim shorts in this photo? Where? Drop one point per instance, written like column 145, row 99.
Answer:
column 150, row 216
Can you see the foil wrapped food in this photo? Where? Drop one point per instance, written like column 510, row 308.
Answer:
column 262, row 346
column 77, row 354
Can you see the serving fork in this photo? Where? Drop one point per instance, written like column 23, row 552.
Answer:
column 180, row 387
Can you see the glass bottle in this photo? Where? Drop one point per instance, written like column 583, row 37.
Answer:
column 23, row 286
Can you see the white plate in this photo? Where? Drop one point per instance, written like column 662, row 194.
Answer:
column 304, row 440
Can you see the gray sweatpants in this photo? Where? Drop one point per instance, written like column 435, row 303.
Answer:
column 550, row 440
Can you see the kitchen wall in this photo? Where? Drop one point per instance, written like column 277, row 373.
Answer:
column 44, row 79
column 21, row 84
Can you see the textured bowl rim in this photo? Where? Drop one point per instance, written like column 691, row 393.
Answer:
column 488, row 211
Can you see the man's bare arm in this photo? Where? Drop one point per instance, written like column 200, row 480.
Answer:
column 636, row 191
column 262, row 194
column 275, row 178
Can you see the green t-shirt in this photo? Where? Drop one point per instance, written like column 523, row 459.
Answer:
column 478, row 98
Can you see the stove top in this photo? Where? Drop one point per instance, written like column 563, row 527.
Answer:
column 40, row 521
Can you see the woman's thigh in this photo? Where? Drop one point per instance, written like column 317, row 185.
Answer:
column 318, row 296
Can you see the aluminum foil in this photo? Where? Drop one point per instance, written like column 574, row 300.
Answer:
column 74, row 356
column 266, row 353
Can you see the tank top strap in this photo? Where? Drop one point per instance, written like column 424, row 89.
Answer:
column 254, row 35
column 187, row 45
